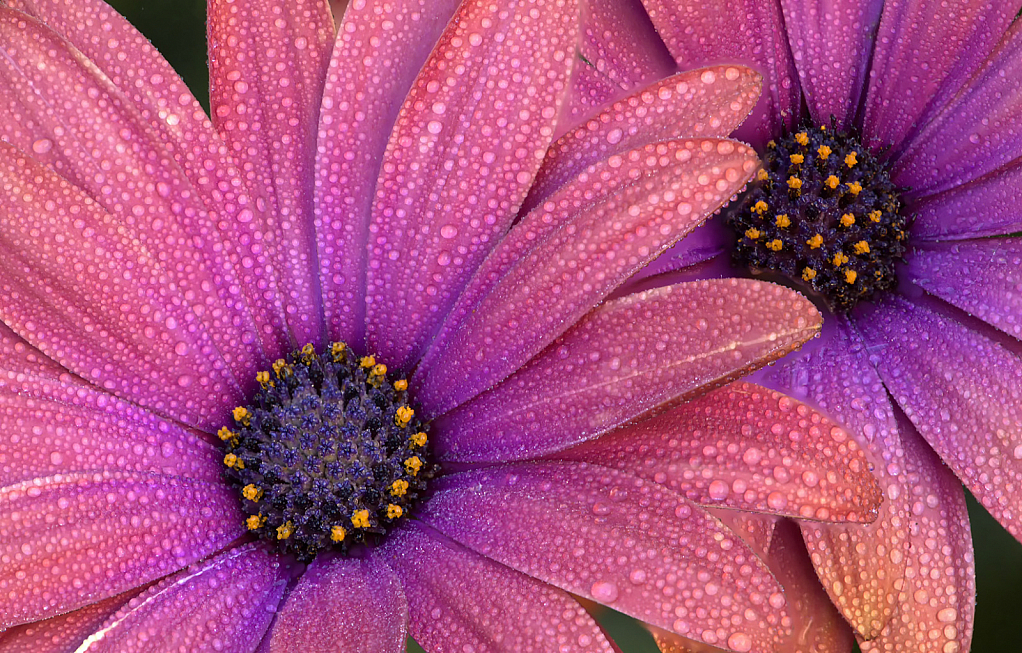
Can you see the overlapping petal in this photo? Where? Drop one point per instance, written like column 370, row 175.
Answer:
column 987, row 206
column 461, row 601
column 627, row 357
column 65, row 632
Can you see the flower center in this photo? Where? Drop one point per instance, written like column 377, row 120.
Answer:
column 328, row 454
column 825, row 214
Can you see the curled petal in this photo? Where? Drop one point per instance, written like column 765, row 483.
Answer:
column 65, row 632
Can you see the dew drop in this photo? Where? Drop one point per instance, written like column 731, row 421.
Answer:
column 604, row 592
column 42, row 146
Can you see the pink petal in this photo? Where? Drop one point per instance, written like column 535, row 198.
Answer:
column 749, row 448
column 223, row 605
column 466, row 146
column 69, row 540
column 925, row 51
column 360, row 105
column 962, row 390
column 461, row 601
column 80, row 287
column 60, row 111
column 629, row 356
column 53, row 427
column 981, row 277
column 63, row 633
column 698, row 103
column 342, row 605
column 831, row 44
column 601, row 228
column 618, row 540
column 18, row 357
column 267, row 63
column 747, row 32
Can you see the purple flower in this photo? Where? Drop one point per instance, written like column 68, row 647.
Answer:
column 310, row 378
column 890, row 134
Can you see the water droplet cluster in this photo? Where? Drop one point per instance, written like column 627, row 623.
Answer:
column 328, row 454
column 825, row 214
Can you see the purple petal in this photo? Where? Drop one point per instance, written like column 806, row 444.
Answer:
column 360, row 104
column 978, row 132
column 987, row 206
column 59, row 110
column 962, row 390
column 224, row 605
column 461, row 601
column 467, row 144
column 981, row 277
column 925, row 51
column 698, row 103
column 52, row 427
column 748, row 448
column 747, row 32
column 620, row 541
column 79, row 286
column 628, row 356
column 267, row 63
column 63, row 633
column 570, row 253
column 831, row 44
column 69, row 540
column 342, row 605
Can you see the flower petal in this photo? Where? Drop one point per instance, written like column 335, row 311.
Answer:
column 981, row 277
column 461, row 601
column 65, row 632
column 962, row 390
column 698, row 103
column 987, row 206
column 617, row 540
column 267, row 63
column 629, row 356
column 360, row 105
column 570, row 253
column 78, row 285
column 69, row 540
column 976, row 133
column 831, row 44
column 59, row 110
column 342, row 605
column 224, row 605
column 747, row 32
column 748, row 448
column 925, row 51
column 467, row 144
column 18, row 357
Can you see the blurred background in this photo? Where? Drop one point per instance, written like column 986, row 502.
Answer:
column 177, row 29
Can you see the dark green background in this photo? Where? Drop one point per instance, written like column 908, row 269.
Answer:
column 177, row 28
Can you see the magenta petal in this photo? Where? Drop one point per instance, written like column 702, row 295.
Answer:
column 570, row 253
column 18, row 357
column 69, row 540
column 223, row 605
column 462, row 156
column 977, row 133
column 80, row 287
column 987, row 206
column 360, row 105
column 626, row 357
column 51, row 427
column 617, row 540
column 962, row 391
column 747, row 32
column 925, row 51
column 697, row 103
column 342, row 605
column 981, row 277
column 63, row 633
column 831, row 44
column 461, row 601
column 267, row 63
column 748, row 448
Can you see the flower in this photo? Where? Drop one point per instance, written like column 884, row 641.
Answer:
column 306, row 378
column 890, row 137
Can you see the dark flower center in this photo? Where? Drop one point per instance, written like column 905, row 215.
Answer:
column 328, row 454
column 824, row 213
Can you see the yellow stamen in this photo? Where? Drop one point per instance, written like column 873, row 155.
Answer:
column 855, row 188
column 281, row 368
column 875, row 215
column 360, row 519
column 824, row 152
column 847, row 220
column 815, row 242
column 367, row 361
column 850, row 160
column 251, row 492
column 400, row 385
column 850, row 276
column 419, row 439
column 379, row 369
column 802, row 138
column 413, row 465
column 337, row 533
column 226, row 434
column 403, row 415
column 831, row 182
column 839, row 259
column 337, row 351
column 399, row 487
column 797, row 159
column 308, row 351
column 760, row 207
column 242, row 416
column 783, row 221
column 794, row 183
column 861, row 247
column 255, row 521
column 285, row 530
column 808, row 274
column 263, row 378
column 775, row 244
column 394, row 511
column 752, row 233
column 762, row 175
column 233, row 461
column 771, row 144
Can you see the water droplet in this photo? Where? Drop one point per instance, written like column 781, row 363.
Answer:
column 604, row 592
